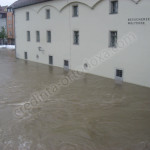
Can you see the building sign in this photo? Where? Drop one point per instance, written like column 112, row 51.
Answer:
column 137, row 21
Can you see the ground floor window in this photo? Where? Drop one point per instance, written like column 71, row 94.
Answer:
column 25, row 55
column 66, row 64
column 51, row 60
column 119, row 76
column 119, row 73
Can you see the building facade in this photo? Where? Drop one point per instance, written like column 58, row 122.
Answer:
column 3, row 20
column 3, row 17
column 10, row 26
column 109, row 38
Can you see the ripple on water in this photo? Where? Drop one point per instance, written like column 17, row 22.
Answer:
column 91, row 114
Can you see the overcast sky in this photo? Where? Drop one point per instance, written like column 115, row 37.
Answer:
column 6, row 2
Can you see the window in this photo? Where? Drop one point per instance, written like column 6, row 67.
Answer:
column 51, row 60
column 85, row 66
column 119, row 73
column 37, row 56
column 38, row 36
column 25, row 55
column 9, row 18
column 10, row 26
column 10, row 33
column 66, row 64
column 113, row 7
column 113, row 39
column 75, row 11
column 27, row 15
column 48, row 36
column 28, row 35
column 3, row 15
column 9, row 10
column 47, row 13
column 119, row 76
column 76, row 37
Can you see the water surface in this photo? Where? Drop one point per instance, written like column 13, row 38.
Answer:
column 92, row 113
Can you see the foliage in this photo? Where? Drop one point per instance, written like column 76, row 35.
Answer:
column 3, row 33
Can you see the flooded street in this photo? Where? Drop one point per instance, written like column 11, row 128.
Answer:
column 92, row 113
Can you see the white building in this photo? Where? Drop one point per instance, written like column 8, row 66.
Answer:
column 71, row 32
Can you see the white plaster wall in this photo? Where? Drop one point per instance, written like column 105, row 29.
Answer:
column 94, row 23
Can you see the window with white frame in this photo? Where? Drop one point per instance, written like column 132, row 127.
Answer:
column 76, row 37
column 113, row 39
column 51, row 60
column 113, row 6
column 75, row 11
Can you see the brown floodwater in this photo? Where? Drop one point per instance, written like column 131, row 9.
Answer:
column 92, row 113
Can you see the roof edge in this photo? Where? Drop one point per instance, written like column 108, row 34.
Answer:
column 18, row 5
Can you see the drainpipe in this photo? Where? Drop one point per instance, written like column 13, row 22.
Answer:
column 15, row 31
column 70, row 34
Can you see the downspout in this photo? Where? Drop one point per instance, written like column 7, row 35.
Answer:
column 6, row 29
column 69, row 33
column 15, row 33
